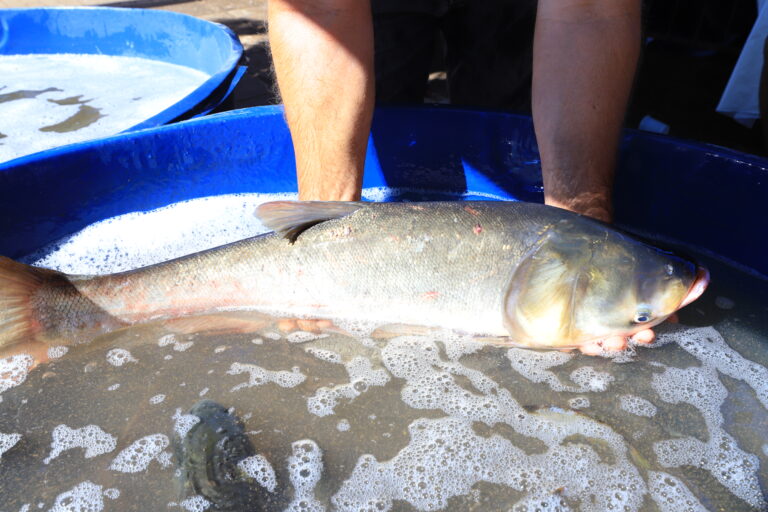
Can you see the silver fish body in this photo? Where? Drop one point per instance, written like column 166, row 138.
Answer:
column 538, row 275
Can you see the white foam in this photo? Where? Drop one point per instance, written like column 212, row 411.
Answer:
column 195, row 503
column 305, row 467
column 112, row 493
column 534, row 365
column 168, row 339
column 57, row 351
column 304, row 336
column 8, row 441
column 258, row 376
column 431, row 384
column 91, row 438
column 182, row 346
column 325, row 355
column 720, row 455
column 14, row 370
column 457, row 346
column 165, row 459
column 637, row 405
column 259, row 468
column 362, row 376
column 708, row 345
column 119, row 357
column 139, row 239
column 579, row 402
column 84, row 497
column 183, row 423
column 671, row 494
column 343, row 425
column 157, row 399
column 178, row 346
column 590, row 379
column 446, row 458
column 126, row 91
column 113, row 387
column 139, row 454
column 552, row 503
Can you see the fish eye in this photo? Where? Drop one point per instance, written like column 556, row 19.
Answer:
column 642, row 317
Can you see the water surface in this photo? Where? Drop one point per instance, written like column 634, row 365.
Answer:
column 51, row 100
column 357, row 418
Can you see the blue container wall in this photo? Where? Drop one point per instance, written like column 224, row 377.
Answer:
column 166, row 36
column 700, row 195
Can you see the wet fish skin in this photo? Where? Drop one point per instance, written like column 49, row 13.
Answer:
column 538, row 275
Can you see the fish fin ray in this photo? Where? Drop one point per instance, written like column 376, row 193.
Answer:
column 215, row 324
column 545, row 288
column 507, row 342
column 291, row 218
column 18, row 282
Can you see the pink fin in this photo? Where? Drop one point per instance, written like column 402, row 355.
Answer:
column 18, row 282
column 216, row 324
column 293, row 217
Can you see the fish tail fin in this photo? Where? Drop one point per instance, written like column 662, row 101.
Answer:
column 42, row 305
column 18, row 283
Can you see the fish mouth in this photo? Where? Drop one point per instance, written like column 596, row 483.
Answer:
column 697, row 288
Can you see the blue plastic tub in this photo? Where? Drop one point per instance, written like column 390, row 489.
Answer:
column 158, row 35
column 704, row 196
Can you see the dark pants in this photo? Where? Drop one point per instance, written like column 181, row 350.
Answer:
column 488, row 50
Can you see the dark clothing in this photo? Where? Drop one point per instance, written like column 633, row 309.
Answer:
column 488, row 50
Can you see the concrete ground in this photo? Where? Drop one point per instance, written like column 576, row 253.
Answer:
column 245, row 17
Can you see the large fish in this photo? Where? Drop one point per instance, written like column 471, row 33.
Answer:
column 536, row 275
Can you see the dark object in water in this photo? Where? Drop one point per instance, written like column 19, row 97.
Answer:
column 208, row 455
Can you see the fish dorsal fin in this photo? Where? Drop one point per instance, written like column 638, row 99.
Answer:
column 291, row 218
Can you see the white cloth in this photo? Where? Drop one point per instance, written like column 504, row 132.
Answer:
column 740, row 100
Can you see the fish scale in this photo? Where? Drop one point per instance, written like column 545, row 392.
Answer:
column 520, row 270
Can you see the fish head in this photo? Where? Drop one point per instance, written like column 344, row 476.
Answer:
column 585, row 281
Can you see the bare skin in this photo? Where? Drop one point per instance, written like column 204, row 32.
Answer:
column 585, row 56
column 323, row 57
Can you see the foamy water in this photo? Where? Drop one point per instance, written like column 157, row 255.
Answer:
column 387, row 420
column 51, row 100
column 139, row 239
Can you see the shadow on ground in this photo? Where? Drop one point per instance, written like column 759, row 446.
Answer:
column 257, row 86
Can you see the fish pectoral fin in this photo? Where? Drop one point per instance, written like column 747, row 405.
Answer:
column 545, row 288
column 291, row 218
column 221, row 323
column 506, row 341
column 394, row 330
